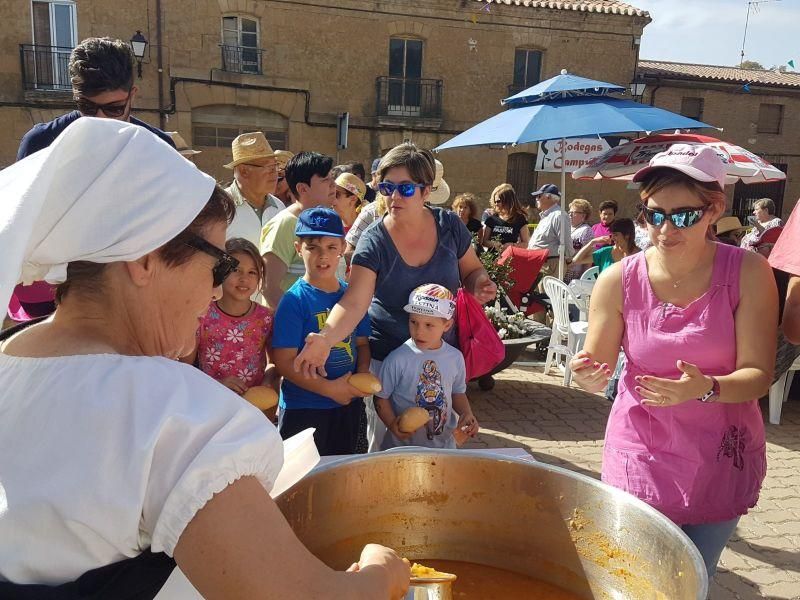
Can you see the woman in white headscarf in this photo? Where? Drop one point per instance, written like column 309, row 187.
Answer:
column 114, row 457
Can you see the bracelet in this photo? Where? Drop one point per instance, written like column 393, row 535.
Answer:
column 712, row 394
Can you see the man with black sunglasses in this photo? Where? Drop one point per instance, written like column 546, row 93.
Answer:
column 101, row 71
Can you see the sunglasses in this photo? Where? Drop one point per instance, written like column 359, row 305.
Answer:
column 226, row 264
column 680, row 218
column 113, row 110
column 387, row 188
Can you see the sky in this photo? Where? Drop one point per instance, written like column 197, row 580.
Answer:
column 711, row 31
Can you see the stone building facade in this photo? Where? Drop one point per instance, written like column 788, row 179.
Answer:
column 756, row 109
column 402, row 70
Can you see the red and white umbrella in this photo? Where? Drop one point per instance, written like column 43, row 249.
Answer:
column 624, row 160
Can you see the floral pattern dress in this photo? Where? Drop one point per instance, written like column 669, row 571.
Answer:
column 235, row 346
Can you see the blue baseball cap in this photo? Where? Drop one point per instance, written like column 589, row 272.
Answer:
column 547, row 188
column 375, row 164
column 319, row 221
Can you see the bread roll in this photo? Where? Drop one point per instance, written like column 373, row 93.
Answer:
column 367, row 383
column 412, row 419
column 261, row 396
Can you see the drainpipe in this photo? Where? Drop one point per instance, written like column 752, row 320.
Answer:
column 162, row 116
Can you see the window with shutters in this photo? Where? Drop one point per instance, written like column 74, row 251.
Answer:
column 692, row 108
column 217, row 125
column 770, row 118
column 241, row 52
column 527, row 70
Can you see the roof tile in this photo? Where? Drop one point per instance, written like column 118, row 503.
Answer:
column 676, row 70
column 599, row 6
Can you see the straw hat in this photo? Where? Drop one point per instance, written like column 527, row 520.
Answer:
column 180, row 144
column 440, row 191
column 729, row 224
column 353, row 184
column 248, row 147
column 283, row 156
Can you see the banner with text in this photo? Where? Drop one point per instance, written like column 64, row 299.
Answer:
column 577, row 152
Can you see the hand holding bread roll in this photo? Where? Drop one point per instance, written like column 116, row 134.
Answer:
column 412, row 419
column 261, row 397
column 366, row 383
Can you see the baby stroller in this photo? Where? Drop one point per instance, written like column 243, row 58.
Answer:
column 526, row 266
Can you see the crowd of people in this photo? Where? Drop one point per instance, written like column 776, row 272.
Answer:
column 298, row 276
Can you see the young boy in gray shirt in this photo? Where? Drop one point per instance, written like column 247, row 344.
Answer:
column 426, row 372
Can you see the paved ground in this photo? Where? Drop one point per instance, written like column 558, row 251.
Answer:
column 565, row 427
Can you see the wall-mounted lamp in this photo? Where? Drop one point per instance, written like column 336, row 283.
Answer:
column 138, row 45
column 637, row 87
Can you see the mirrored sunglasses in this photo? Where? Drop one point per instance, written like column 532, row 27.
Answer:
column 680, row 219
column 226, row 264
column 387, row 188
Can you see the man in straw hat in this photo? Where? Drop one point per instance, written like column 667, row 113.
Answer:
column 255, row 173
column 101, row 71
column 730, row 230
column 282, row 191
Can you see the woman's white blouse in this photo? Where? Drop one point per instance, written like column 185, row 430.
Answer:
column 103, row 456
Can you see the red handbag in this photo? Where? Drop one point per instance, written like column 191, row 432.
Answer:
column 481, row 346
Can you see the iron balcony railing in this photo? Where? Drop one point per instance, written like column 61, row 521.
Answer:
column 45, row 67
column 404, row 97
column 241, row 59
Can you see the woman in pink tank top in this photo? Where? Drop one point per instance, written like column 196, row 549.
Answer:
column 697, row 322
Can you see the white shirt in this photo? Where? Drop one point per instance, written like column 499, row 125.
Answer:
column 102, row 456
column 247, row 224
column 549, row 231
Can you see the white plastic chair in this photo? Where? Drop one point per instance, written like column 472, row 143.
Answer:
column 779, row 392
column 567, row 337
column 591, row 274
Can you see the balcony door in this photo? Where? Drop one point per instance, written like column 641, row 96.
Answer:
column 240, row 49
column 54, row 36
column 405, row 72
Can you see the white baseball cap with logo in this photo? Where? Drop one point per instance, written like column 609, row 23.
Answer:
column 698, row 162
column 431, row 300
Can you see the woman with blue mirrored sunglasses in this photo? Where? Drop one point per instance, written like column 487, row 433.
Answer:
column 697, row 321
column 406, row 189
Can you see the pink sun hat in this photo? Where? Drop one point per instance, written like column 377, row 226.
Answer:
column 698, row 162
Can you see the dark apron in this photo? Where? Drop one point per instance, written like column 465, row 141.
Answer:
column 138, row 578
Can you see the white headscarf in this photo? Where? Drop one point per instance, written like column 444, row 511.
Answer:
column 103, row 191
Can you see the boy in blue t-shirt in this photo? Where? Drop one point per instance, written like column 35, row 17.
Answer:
column 331, row 405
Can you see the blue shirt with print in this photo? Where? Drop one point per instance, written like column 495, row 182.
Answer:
column 303, row 310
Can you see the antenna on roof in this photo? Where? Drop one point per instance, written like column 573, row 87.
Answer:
column 753, row 4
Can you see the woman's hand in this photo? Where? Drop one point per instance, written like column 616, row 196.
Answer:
column 657, row 391
column 468, row 424
column 310, row 363
column 588, row 373
column 483, row 288
column 235, row 384
column 397, row 570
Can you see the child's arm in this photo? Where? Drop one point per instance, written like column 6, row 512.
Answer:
column 383, row 407
column 466, row 420
column 364, row 355
column 338, row 390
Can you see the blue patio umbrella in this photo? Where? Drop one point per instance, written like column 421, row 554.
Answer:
column 568, row 106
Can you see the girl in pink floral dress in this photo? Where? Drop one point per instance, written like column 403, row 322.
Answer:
column 234, row 337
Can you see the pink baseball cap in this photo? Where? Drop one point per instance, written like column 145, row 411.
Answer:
column 698, row 162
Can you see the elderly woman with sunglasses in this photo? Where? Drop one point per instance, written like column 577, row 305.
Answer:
column 697, row 322
column 411, row 245
column 116, row 460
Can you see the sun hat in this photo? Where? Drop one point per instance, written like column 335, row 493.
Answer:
column 431, row 300
column 319, row 221
column 440, row 191
column 95, row 194
column 729, row 224
column 283, row 156
column 353, row 184
column 180, row 144
column 547, row 188
column 698, row 162
column 248, row 147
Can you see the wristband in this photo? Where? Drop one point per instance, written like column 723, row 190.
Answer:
column 712, row 394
